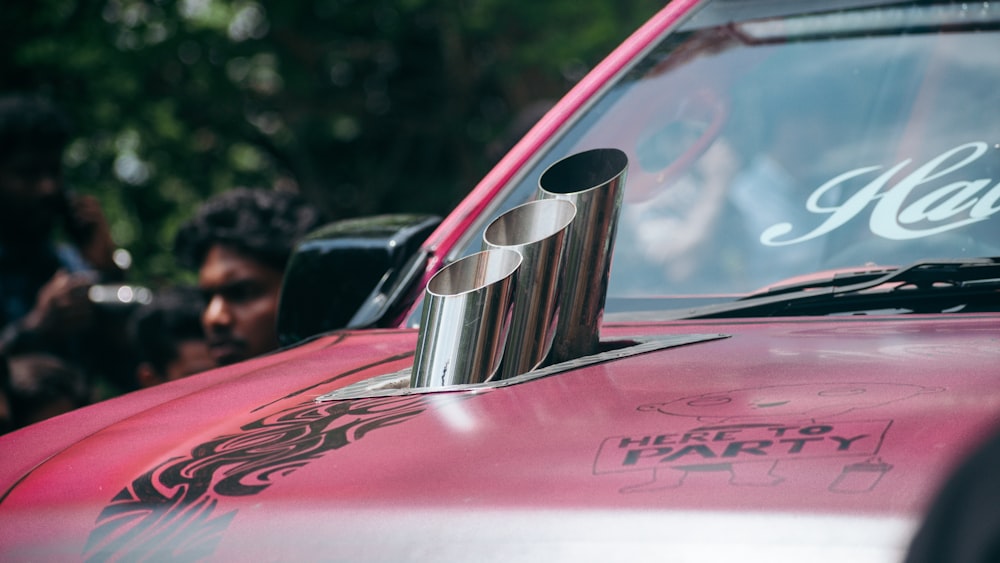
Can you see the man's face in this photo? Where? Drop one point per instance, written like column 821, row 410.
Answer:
column 242, row 294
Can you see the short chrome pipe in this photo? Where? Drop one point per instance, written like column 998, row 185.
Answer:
column 465, row 319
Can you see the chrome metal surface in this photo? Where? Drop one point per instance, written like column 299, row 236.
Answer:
column 464, row 322
column 593, row 181
column 536, row 230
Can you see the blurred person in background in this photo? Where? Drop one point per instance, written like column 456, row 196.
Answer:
column 6, row 424
column 40, row 386
column 53, row 246
column 240, row 242
column 168, row 338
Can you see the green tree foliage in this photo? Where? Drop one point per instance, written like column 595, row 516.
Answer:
column 366, row 106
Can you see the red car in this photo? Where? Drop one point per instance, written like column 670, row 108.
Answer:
column 735, row 297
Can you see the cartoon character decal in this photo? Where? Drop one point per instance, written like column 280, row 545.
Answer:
column 800, row 403
column 748, row 433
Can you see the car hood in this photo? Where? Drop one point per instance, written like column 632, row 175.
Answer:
column 791, row 439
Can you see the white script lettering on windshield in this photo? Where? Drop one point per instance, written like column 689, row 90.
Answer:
column 948, row 207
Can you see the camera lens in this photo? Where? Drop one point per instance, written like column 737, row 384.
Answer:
column 119, row 296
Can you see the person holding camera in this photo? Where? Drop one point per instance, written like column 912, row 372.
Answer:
column 44, row 280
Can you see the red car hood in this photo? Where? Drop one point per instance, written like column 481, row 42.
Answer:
column 797, row 439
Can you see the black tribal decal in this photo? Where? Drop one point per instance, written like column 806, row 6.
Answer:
column 173, row 511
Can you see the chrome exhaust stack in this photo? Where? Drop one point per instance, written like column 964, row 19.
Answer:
column 535, row 295
column 464, row 322
column 594, row 182
column 537, row 231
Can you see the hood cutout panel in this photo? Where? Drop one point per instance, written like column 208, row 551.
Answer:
column 398, row 383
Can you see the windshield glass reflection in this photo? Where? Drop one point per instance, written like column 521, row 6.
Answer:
column 770, row 149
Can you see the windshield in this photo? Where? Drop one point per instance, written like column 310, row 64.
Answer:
column 769, row 149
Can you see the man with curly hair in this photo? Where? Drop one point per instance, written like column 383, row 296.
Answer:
column 239, row 242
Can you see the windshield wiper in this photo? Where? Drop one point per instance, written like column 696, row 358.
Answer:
column 933, row 286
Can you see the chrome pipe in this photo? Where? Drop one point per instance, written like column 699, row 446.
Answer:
column 594, row 182
column 465, row 320
column 537, row 231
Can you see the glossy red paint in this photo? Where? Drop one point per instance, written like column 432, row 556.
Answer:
column 823, row 419
column 791, row 439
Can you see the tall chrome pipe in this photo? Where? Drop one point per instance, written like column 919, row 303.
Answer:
column 594, row 182
column 537, row 231
column 465, row 320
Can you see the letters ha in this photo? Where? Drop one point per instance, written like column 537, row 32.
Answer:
column 925, row 202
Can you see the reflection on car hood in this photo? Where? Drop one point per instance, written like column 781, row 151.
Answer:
column 799, row 437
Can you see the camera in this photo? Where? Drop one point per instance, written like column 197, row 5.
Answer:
column 118, row 297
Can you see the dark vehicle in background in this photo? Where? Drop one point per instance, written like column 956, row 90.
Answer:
column 788, row 217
